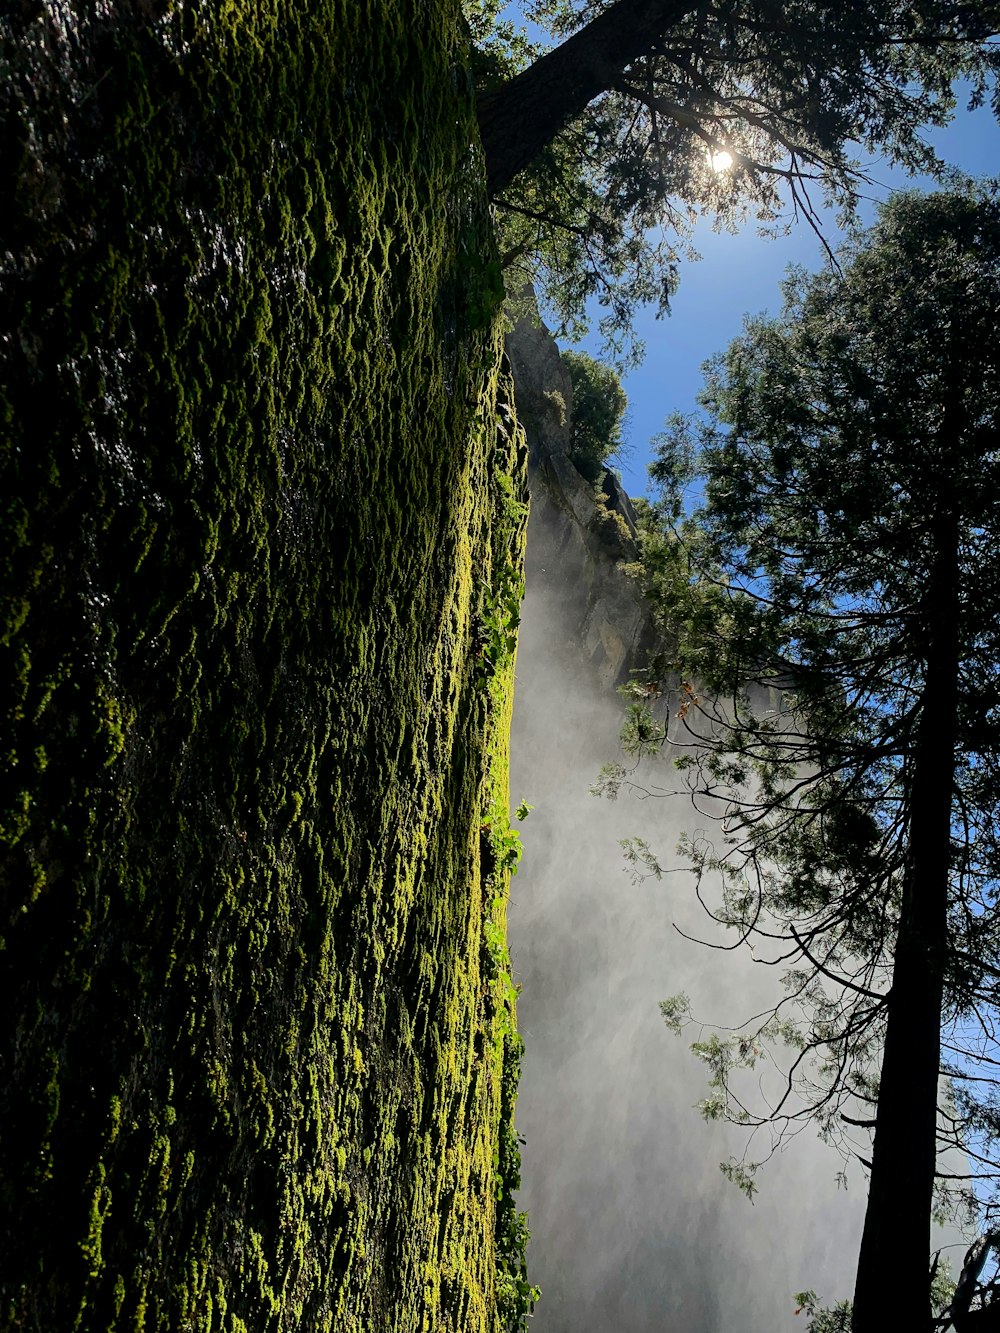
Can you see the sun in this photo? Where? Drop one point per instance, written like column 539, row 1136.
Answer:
column 720, row 160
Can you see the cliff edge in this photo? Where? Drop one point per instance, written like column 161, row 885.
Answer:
column 582, row 538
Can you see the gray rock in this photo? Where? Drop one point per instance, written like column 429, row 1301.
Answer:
column 617, row 500
column 579, row 536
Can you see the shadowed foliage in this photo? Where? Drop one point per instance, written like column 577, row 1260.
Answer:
column 602, row 150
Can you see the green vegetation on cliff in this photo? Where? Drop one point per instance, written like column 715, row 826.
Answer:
column 599, row 406
column 260, row 509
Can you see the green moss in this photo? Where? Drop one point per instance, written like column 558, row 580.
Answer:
column 265, row 514
column 100, row 1206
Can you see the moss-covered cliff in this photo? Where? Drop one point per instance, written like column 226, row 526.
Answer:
column 259, row 493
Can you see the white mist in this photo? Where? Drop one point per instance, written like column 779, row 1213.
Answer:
column 634, row 1227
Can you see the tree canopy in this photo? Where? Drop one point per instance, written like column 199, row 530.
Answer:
column 836, row 610
column 601, row 151
column 599, row 405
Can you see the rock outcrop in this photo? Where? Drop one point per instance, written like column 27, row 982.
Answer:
column 587, row 533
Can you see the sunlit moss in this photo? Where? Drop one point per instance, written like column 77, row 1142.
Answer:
column 258, row 501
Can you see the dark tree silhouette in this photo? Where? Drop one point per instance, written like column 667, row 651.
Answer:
column 845, row 560
column 616, row 133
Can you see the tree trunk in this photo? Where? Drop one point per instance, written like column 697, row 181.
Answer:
column 986, row 1319
column 518, row 119
column 892, row 1288
column 978, row 1321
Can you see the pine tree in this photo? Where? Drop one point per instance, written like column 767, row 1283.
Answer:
column 837, row 601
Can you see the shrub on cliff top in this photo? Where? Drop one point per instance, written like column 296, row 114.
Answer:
column 599, row 404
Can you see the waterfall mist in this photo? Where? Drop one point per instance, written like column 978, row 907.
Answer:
column 634, row 1227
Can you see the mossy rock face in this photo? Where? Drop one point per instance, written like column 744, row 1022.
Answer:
column 254, row 493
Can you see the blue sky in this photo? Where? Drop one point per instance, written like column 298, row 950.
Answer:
column 741, row 274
